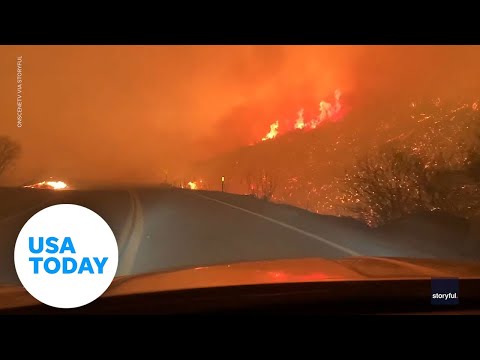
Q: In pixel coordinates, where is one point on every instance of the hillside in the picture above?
(302, 168)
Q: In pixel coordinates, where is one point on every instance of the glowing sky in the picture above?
(127, 113)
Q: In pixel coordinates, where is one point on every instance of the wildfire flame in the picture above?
(192, 185)
(273, 131)
(55, 185)
(300, 123)
(327, 112)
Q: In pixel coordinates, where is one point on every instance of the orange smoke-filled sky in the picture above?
(128, 113)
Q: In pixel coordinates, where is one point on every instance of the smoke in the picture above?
(130, 113)
(373, 79)
(400, 71)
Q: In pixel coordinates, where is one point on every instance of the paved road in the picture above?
(112, 205)
(159, 229)
(181, 228)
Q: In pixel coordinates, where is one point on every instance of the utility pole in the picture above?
(223, 182)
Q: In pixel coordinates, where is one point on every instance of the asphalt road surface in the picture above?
(19, 205)
(182, 228)
(163, 229)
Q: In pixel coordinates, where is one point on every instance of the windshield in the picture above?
(217, 155)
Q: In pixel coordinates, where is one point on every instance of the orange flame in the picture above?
(55, 185)
(327, 112)
(273, 131)
(192, 185)
(299, 123)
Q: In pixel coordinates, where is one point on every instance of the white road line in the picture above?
(300, 231)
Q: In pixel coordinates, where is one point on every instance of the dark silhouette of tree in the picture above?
(9, 152)
(268, 184)
(261, 184)
(251, 183)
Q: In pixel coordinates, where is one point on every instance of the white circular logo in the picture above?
(66, 256)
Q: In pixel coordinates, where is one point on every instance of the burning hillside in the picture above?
(302, 168)
(327, 112)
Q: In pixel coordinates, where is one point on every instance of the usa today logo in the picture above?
(66, 256)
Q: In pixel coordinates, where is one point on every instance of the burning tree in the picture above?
(386, 186)
(393, 183)
(9, 152)
(432, 166)
(261, 184)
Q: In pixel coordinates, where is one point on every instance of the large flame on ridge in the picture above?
(299, 123)
(327, 112)
(273, 131)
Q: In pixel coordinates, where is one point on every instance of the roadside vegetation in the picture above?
(392, 183)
